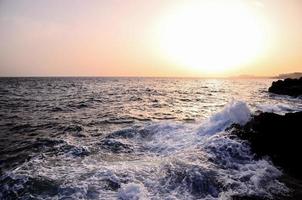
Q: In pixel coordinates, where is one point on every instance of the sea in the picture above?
(134, 138)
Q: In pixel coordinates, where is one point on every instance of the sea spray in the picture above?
(134, 139)
(234, 112)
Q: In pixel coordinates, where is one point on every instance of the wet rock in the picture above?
(291, 87)
(278, 137)
(275, 136)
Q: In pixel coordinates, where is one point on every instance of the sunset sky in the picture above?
(150, 37)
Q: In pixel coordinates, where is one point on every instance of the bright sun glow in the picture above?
(211, 37)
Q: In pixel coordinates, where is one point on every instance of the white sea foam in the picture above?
(234, 112)
(170, 161)
(277, 108)
(132, 191)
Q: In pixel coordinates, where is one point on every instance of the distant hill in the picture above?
(247, 76)
(289, 75)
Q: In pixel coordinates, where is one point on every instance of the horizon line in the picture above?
(134, 76)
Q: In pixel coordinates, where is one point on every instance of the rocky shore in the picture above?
(291, 87)
(277, 137)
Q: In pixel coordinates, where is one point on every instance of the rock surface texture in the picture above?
(279, 138)
(291, 87)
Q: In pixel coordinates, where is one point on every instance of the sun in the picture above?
(211, 36)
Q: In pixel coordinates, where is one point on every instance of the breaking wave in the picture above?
(158, 160)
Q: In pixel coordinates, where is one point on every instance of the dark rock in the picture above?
(291, 87)
(278, 137)
(275, 136)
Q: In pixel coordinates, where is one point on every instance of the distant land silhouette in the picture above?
(248, 76)
(289, 75)
(294, 75)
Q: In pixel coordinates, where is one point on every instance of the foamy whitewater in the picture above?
(133, 138)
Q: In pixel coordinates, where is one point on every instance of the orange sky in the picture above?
(122, 38)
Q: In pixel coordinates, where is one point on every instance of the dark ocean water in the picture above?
(133, 138)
